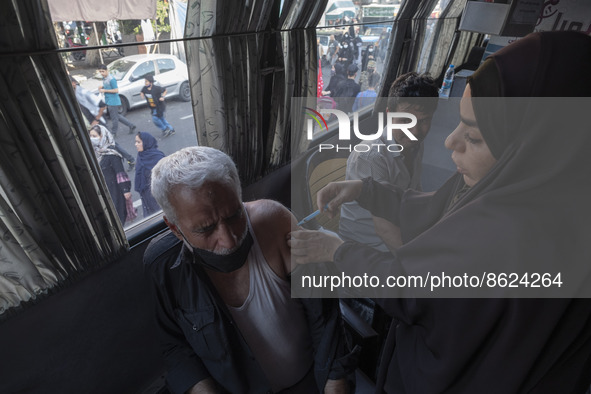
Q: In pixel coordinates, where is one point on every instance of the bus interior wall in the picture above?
(94, 336)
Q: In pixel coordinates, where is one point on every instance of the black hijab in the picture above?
(531, 211)
(538, 65)
(535, 200)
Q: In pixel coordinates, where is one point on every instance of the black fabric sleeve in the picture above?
(332, 358)
(381, 201)
(184, 367)
(354, 259)
(160, 105)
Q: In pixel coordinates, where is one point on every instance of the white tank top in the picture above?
(273, 324)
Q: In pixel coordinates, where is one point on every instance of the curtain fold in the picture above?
(227, 104)
(420, 33)
(457, 44)
(398, 45)
(232, 76)
(412, 48)
(54, 219)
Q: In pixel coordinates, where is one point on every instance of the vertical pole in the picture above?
(98, 40)
(156, 47)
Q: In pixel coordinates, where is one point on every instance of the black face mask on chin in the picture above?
(223, 263)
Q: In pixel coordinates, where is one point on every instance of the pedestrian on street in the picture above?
(347, 90)
(116, 179)
(111, 92)
(147, 157)
(93, 108)
(154, 95)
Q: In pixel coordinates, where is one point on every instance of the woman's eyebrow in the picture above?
(468, 122)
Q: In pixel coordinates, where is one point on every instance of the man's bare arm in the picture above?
(206, 386)
(272, 223)
(340, 386)
(103, 90)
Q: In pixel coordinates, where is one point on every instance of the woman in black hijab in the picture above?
(339, 75)
(520, 202)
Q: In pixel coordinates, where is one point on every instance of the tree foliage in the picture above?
(160, 24)
(162, 20)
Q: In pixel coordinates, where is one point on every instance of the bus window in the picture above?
(129, 65)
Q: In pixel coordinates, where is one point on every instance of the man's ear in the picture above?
(173, 228)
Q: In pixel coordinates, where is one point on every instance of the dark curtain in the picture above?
(419, 45)
(243, 83)
(54, 219)
(449, 45)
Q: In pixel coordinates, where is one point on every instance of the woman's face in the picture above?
(94, 134)
(139, 144)
(470, 152)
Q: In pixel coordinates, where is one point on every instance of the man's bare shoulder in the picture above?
(272, 222)
(268, 212)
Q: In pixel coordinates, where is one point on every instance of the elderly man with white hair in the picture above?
(226, 319)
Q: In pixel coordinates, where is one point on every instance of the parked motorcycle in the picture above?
(76, 35)
(77, 55)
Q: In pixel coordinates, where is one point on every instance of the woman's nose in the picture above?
(453, 141)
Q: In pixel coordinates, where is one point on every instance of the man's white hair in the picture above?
(192, 167)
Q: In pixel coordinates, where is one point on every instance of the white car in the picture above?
(168, 71)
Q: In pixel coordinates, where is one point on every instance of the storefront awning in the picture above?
(101, 10)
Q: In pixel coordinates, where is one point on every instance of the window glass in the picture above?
(165, 65)
(143, 70)
(119, 68)
(353, 35)
(178, 110)
(129, 65)
(430, 34)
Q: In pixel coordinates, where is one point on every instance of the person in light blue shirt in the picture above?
(369, 96)
(113, 101)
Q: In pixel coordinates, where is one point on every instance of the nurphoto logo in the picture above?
(393, 120)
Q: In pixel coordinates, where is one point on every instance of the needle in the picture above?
(311, 216)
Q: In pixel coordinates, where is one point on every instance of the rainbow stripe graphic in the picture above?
(315, 115)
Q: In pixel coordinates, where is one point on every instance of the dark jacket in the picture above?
(117, 182)
(199, 338)
(146, 160)
(346, 93)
